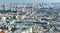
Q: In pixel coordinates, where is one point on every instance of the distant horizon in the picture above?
(28, 1)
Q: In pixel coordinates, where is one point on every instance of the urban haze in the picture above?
(29, 16)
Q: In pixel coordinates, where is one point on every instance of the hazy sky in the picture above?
(28, 1)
